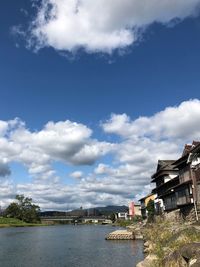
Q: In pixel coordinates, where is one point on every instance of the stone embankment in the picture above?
(171, 245)
(136, 229)
(120, 235)
(132, 232)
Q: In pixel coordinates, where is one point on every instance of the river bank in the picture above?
(169, 244)
(12, 222)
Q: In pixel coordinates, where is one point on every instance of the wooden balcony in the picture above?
(184, 200)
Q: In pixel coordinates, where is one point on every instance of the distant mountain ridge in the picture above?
(113, 208)
(97, 211)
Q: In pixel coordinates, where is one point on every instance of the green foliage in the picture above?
(23, 210)
(4, 222)
(137, 218)
(12, 211)
(166, 238)
(124, 223)
(112, 217)
(12, 222)
(151, 210)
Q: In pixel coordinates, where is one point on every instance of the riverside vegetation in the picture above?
(21, 213)
(170, 244)
(12, 222)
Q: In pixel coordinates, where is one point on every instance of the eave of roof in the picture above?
(181, 160)
(167, 166)
(195, 147)
(151, 194)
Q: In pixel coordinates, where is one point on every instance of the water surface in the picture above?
(66, 246)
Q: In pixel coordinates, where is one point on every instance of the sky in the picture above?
(92, 94)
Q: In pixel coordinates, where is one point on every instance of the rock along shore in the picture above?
(171, 245)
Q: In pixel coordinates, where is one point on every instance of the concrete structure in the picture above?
(121, 235)
(134, 210)
(95, 220)
(137, 209)
(131, 210)
(122, 215)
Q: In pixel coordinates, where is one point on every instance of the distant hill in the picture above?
(52, 213)
(97, 211)
(113, 208)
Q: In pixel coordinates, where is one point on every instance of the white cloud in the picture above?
(101, 25)
(102, 169)
(64, 141)
(116, 179)
(91, 152)
(147, 139)
(77, 174)
(174, 122)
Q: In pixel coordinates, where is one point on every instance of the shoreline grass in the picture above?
(12, 222)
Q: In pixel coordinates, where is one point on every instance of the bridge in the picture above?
(74, 219)
(59, 219)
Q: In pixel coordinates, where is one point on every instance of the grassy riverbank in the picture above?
(167, 242)
(12, 222)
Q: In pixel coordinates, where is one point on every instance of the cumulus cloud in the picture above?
(101, 25)
(174, 122)
(77, 174)
(117, 179)
(65, 141)
(147, 139)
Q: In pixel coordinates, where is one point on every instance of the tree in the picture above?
(151, 210)
(112, 217)
(23, 210)
(12, 211)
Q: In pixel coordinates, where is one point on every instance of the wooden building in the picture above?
(178, 183)
(165, 178)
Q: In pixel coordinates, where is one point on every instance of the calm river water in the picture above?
(66, 246)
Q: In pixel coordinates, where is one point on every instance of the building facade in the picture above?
(178, 183)
(144, 202)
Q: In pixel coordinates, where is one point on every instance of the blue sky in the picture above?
(85, 85)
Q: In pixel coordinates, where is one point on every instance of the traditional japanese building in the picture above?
(178, 183)
(188, 189)
(165, 177)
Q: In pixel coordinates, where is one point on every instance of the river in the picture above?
(66, 246)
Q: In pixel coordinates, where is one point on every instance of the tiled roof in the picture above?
(165, 165)
(188, 148)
